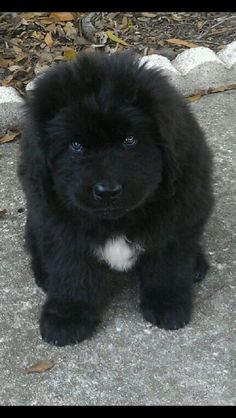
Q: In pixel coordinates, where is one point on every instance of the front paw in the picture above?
(167, 315)
(66, 323)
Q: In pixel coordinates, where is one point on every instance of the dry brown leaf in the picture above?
(13, 68)
(46, 21)
(181, 42)
(199, 93)
(176, 17)
(48, 39)
(51, 27)
(9, 136)
(21, 57)
(16, 49)
(124, 23)
(37, 35)
(40, 367)
(62, 16)
(30, 15)
(69, 29)
(4, 63)
(7, 80)
(24, 22)
(2, 212)
(38, 69)
(59, 58)
(221, 88)
(147, 14)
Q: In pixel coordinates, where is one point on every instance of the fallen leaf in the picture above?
(48, 40)
(40, 367)
(59, 58)
(52, 28)
(37, 35)
(13, 68)
(24, 22)
(9, 136)
(181, 42)
(62, 16)
(29, 15)
(115, 38)
(69, 29)
(194, 97)
(199, 93)
(46, 21)
(176, 17)
(130, 23)
(2, 212)
(70, 54)
(21, 57)
(221, 88)
(4, 63)
(20, 75)
(16, 49)
(38, 69)
(124, 22)
(147, 14)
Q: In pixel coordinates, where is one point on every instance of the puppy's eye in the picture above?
(129, 142)
(77, 147)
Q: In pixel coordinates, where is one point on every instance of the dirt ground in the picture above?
(30, 42)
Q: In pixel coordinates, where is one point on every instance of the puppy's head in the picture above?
(97, 129)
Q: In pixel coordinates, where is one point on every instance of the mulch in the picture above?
(30, 42)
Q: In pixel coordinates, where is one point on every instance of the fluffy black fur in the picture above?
(163, 173)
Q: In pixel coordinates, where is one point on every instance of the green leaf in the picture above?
(115, 38)
(70, 54)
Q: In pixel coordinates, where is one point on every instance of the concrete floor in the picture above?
(127, 362)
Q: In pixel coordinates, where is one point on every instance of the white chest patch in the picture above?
(119, 253)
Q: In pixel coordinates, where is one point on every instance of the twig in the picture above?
(216, 24)
(14, 43)
(12, 14)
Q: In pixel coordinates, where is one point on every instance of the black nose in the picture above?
(107, 191)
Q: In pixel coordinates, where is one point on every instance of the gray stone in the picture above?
(10, 108)
(228, 56)
(127, 362)
(193, 58)
(201, 69)
(30, 85)
(162, 63)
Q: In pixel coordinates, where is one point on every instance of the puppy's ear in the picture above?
(49, 94)
(32, 166)
(171, 167)
(172, 120)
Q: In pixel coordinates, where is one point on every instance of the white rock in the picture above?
(158, 61)
(228, 55)
(192, 58)
(11, 109)
(9, 95)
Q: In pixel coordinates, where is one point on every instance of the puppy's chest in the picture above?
(119, 253)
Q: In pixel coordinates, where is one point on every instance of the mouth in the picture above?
(110, 213)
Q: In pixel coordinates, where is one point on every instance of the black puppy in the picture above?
(117, 175)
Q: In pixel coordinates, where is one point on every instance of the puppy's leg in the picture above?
(201, 268)
(67, 321)
(166, 283)
(72, 309)
(40, 274)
